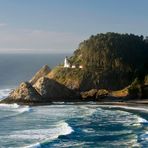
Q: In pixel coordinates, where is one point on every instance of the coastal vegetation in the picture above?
(110, 61)
(113, 66)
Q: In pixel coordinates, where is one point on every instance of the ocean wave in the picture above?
(24, 109)
(4, 93)
(69, 144)
(126, 143)
(58, 103)
(144, 109)
(86, 110)
(138, 119)
(15, 107)
(144, 136)
(9, 106)
(42, 135)
(142, 120)
(36, 145)
(13, 110)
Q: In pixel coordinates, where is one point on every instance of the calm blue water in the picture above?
(67, 126)
(15, 68)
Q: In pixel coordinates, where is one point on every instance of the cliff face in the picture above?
(41, 73)
(51, 90)
(110, 61)
(41, 90)
(24, 93)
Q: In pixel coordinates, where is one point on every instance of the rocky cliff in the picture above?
(109, 62)
(41, 90)
(25, 93)
(51, 90)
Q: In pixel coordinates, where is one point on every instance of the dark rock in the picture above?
(146, 80)
(102, 93)
(51, 90)
(145, 92)
(94, 94)
(91, 94)
(41, 73)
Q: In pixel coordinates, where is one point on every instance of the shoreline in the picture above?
(135, 103)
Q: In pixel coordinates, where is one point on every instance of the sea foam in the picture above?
(15, 110)
(144, 109)
(4, 93)
(144, 136)
(10, 106)
(15, 107)
(142, 120)
(36, 145)
(23, 109)
(86, 110)
(43, 135)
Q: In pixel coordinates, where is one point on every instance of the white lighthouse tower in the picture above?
(66, 63)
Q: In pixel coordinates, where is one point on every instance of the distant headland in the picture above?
(110, 67)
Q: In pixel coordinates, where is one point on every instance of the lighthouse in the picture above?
(66, 63)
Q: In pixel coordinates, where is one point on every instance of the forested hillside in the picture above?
(110, 61)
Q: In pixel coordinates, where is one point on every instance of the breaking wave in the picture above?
(142, 120)
(43, 135)
(86, 110)
(126, 107)
(4, 93)
(15, 107)
(9, 106)
(14, 110)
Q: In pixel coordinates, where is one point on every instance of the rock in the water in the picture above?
(94, 94)
(51, 90)
(91, 94)
(101, 93)
(25, 93)
(41, 73)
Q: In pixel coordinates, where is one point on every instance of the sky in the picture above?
(58, 26)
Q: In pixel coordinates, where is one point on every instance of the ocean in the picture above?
(86, 125)
(15, 68)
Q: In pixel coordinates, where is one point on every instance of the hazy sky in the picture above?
(58, 26)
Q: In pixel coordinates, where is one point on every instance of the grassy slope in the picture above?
(67, 76)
